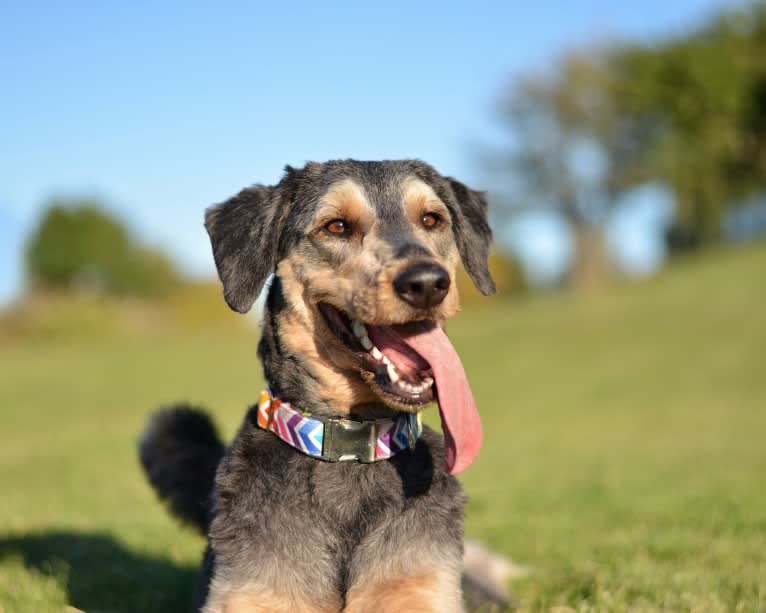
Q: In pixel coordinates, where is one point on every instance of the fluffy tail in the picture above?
(180, 450)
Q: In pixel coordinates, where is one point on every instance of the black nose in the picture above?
(423, 285)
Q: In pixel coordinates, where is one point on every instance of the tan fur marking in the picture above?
(419, 198)
(326, 357)
(346, 200)
(263, 602)
(433, 592)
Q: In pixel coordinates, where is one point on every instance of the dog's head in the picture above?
(365, 255)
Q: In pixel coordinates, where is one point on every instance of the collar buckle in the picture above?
(345, 439)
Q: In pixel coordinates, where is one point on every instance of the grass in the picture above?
(624, 463)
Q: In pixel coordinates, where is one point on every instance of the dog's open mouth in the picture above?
(412, 364)
(398, 370)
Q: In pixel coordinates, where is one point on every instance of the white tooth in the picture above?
(376, 353)
(423, 385)
(358, 328)
(366, 342)
(392, 374)
(385, 359)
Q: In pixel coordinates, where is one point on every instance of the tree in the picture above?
(699, 105)
(559, 124)
(77, 246)
(689, 112)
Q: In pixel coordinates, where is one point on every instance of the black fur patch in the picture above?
(180, 451)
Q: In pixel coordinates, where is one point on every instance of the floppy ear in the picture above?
(244, 234)
(472, 233)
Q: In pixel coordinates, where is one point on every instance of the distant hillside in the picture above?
(54, 314)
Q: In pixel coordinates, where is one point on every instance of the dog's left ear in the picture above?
(472, 233)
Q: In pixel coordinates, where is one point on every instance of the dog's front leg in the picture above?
(251, 581)
(275, 586)
(263, 601)
(435, 591)
(423, 576)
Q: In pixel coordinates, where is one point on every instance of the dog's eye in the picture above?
(338, 227)
(430, 221)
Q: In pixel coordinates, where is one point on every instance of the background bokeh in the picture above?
(619, 371)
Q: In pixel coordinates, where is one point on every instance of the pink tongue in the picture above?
(460, 418)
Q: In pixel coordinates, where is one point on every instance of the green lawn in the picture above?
(624, 462)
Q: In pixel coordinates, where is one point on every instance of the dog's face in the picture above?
(365, 255)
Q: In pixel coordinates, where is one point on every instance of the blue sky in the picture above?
(165, 108)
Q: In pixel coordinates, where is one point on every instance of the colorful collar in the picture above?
(338, 440)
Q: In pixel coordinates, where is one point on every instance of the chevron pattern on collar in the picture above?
(338, 440)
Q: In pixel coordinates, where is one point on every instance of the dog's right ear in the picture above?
(244, 232)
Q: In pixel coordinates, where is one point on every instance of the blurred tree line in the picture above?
(688, 112)
(79, 246)
(82, 262)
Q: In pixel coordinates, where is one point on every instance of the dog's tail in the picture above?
(180, 450)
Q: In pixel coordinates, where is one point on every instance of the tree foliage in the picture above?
(695, 108)
(78, 246)
(689, 111)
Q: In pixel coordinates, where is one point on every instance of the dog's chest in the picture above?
(355, 496)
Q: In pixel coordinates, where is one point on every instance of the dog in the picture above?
(332, 496)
